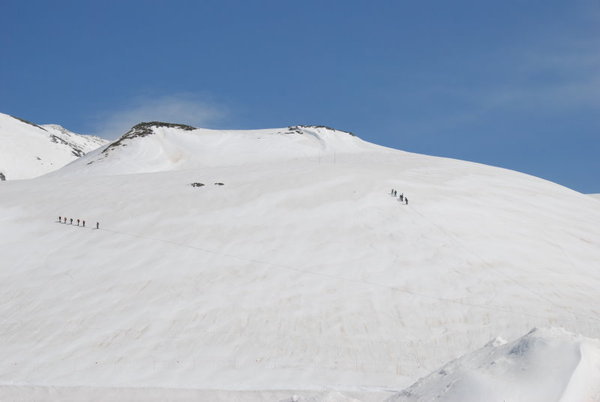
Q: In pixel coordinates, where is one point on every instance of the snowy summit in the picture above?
(29, 150)
(157, 146)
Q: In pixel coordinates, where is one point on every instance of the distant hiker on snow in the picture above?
(62, 219)
(406, 200)
(97, 225)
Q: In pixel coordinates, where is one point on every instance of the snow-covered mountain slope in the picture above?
(596, 196)
(80, 144)
(158, 147)
(300, 272)
(29, 150)
(544, 365)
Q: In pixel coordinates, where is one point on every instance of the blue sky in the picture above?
(508, 83)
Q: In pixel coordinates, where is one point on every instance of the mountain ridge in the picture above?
(160, 146)
(30, 150)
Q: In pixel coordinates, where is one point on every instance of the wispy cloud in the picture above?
(553, 79)
(180, 108)
(550, 81)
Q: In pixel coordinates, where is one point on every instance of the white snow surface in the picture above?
(28, 150)
(84, 142)
(300, 273)
(544, 365)
(168, 149)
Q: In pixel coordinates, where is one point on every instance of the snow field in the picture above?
(544, 365)
(300, 273)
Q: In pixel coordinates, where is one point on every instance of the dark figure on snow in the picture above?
(83, 223)
(401, 197)
(59, 219)
(406, 200)
(77, 222)
(65, 221)
(71, 221)
(97, 225)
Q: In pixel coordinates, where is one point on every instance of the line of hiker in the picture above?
(62, 219)
(401, 197)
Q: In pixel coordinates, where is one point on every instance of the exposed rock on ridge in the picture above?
(142, 130)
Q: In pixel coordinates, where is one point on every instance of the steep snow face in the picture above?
(544, 365)
(29, 150)
(300, 272)
(81, 144)
(159, 147)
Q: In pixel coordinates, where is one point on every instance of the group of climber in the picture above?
(401, 197)
(62, 219)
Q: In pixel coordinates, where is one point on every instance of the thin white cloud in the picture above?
(182, 109)
(552, 80)
(551, 97)
(567, 76)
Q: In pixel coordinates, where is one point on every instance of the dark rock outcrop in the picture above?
(28, 122)
(298, 129)
(144, 130)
